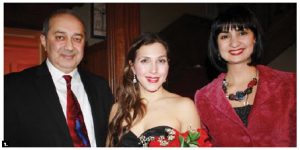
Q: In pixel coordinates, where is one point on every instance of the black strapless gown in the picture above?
(160, 136)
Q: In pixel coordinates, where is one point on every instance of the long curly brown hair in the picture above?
(130, 106)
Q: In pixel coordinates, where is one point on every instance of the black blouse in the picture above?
(243, 113)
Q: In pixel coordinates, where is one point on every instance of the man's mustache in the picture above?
(69, 52)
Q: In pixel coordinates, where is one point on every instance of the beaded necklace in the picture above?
(240, 95)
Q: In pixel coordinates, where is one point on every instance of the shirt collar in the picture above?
(57, 74)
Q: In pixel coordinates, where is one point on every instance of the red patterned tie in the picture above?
(75, 119)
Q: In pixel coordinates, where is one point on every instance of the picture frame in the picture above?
(98, 12)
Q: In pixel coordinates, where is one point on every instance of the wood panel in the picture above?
(95, 59)
(21, 49)
(123, 25)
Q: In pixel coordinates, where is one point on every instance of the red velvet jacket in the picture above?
(272, 119)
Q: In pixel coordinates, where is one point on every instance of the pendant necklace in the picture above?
(240, 95)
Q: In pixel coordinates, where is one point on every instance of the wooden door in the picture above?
(22, 49)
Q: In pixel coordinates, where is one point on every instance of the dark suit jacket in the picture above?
(272, 119)
(33, 115)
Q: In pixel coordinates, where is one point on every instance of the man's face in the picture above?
(64, 42)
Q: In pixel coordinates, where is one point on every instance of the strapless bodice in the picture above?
(159, 136)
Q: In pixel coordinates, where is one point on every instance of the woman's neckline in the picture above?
(143, 133)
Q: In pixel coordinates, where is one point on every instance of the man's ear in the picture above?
(43, 41)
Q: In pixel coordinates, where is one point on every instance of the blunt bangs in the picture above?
(238, 25)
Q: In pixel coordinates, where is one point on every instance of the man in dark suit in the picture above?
(36, 103)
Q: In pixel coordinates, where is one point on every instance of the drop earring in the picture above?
(134, 79)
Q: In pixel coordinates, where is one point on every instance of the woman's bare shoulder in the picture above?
(180, 100)
(186, 112)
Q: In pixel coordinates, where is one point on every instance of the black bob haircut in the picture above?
(238, 18)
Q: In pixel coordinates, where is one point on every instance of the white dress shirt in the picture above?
(79, 91)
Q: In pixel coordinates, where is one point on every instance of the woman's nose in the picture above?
(153, 67)
(234, 41)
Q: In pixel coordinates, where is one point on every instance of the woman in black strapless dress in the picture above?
(145, 113)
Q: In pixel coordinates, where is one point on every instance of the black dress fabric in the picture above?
(131, 140)
(243, 113)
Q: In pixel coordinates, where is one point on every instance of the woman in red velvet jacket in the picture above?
(248, 104)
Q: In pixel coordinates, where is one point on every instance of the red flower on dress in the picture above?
(190, 138)
(194, 138)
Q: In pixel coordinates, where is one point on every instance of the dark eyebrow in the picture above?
(144, 57)
(163, 56)
(61, 32)
(224, 31)
(78, 34)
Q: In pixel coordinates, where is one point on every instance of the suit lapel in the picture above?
(95, 103)
(265, 80)
(46, 88)
(221, 104)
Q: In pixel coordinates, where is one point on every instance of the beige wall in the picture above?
(286, 61)
(156, 16)
(85, 12)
